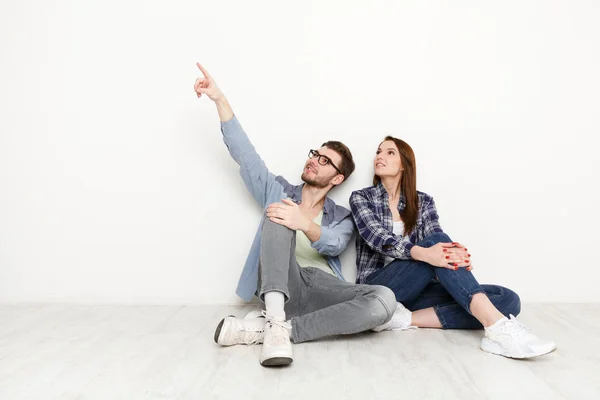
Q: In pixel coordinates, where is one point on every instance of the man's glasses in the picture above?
(323, 160)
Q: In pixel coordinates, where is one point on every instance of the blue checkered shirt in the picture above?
(373, 218)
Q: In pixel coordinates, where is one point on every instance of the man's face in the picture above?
(318, 175)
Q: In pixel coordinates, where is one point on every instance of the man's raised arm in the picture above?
(258, 179)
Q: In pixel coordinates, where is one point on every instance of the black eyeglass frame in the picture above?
(313, 153)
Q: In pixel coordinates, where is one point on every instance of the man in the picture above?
(293, 265)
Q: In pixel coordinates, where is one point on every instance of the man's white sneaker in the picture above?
(510, 338)
(400, 320)
(254, 314)
(277, 348)
(232, 330)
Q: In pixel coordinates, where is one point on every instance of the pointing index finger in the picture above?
(203, 70)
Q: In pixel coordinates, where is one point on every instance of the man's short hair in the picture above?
(347, 166)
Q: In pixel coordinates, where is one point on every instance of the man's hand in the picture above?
(444, 255)
(207, 85)
(287, 213)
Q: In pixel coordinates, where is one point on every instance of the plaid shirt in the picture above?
(373, 217)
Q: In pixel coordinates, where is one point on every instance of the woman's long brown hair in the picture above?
(408, 183)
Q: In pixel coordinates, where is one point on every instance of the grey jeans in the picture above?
(318, 303)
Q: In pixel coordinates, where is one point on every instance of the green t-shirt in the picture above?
(306, 255)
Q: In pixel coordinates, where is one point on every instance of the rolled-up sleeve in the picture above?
(335, 238)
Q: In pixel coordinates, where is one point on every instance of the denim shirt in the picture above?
(336, 226)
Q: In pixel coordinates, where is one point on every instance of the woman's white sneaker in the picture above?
(400, 320)
(510, 338)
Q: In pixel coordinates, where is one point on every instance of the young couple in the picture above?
(410, 273)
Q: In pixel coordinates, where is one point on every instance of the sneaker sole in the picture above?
(219, 327)
(491, 347)
(276, 361)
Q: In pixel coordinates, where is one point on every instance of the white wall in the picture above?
(115, 185)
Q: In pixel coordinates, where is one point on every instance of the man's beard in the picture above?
(313, 182)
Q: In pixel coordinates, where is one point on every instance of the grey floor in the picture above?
(167, 352)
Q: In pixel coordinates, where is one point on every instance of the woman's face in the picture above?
(387, 160)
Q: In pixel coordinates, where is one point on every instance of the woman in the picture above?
(402, 246)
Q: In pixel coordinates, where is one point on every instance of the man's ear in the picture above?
(338, 179)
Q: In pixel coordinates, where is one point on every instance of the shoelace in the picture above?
(253, 326)
(254, 333)
(254, 341)
(253, 329)
(284, 325)
(515, 328)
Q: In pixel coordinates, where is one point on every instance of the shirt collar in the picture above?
(297, 198)
(383, 194)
